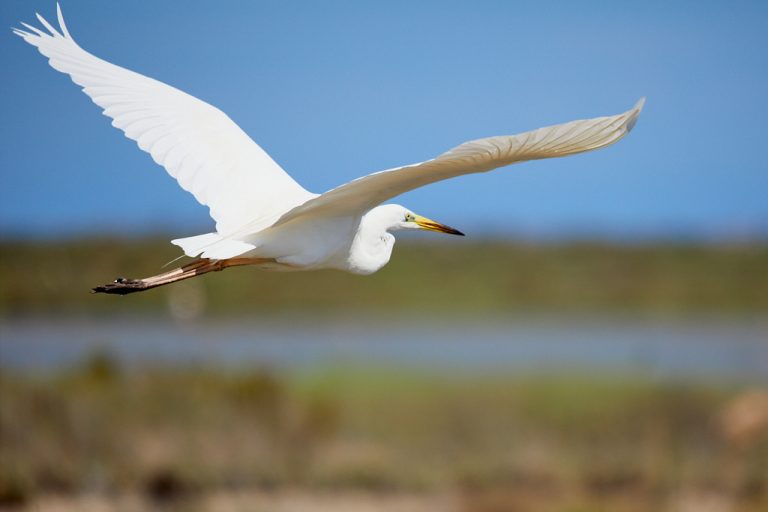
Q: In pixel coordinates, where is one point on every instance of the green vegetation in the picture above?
(457, 278)
(557, 443)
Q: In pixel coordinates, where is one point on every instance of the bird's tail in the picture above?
(212, 246)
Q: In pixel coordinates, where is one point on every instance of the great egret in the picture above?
(263, 217)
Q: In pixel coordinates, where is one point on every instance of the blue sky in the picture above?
(335, 90)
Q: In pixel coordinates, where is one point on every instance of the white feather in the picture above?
(475, 156)
(207, 153)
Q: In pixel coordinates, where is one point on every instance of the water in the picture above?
(725, 348)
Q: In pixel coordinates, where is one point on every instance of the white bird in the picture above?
(263, 217)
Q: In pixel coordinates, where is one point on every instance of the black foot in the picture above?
(121, 286)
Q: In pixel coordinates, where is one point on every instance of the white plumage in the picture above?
(202, 148)
(261, 212)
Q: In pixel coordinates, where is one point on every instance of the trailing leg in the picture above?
(122, 286)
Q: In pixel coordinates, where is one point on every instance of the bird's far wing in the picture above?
(202, 148)
(480, 155)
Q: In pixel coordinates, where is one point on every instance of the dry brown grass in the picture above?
(101, 437)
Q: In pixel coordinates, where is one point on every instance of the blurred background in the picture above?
(598, 341)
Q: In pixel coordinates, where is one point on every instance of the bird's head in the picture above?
(393, 217)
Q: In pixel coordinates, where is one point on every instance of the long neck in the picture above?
(371, 247)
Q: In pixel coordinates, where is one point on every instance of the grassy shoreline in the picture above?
(457, 279)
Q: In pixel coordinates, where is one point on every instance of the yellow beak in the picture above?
(430, 225)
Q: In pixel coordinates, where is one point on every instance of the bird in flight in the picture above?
(263, 216)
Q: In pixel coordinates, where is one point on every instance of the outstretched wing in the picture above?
(202, 148)
(475, 156)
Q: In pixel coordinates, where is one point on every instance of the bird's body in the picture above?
(332, 242)
(263, 216)
(359, 244)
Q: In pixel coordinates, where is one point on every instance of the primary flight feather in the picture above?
(263, 216)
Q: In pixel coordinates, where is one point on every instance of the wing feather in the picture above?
(481, 155)
(202, 148)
